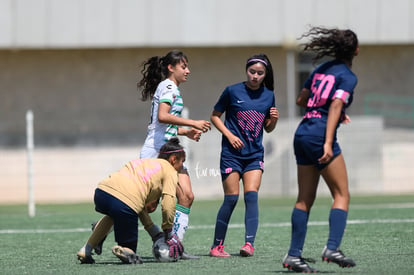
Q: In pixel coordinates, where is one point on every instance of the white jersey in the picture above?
(159, 133)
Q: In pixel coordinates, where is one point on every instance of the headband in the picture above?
(174, 151)
(257, 60)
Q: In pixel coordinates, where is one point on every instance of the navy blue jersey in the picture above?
(329, 81)
(246, 111)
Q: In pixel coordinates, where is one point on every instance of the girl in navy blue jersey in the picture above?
(326, 94)
(250, 108)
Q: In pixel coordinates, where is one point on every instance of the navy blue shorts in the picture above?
(125, 219)
(308, 149)
(232, 164)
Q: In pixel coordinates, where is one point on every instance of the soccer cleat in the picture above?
(298, 264)
(126, 255)
(83, 258)
(187, 256)
(247, 250)
(98, 247)
(336, 256)
(218, 251)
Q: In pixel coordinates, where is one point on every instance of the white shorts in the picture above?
(148, 152)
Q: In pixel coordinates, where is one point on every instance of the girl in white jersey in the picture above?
(161, 78)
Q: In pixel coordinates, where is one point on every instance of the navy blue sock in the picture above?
(251, 218)
(223, 218)
(299, 228)
(337, 224)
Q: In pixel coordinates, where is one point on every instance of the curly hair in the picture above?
(340, 44)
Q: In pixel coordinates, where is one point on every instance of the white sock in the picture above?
(181, 221)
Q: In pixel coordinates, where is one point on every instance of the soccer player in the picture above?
(161, 79)
(250, 108)
(135, 189)
(326, 94)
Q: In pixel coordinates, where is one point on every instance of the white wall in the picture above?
(145, 23)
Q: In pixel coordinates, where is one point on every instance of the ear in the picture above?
(172, 159)
(170, 68)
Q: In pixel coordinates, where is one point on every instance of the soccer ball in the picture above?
(161, 251)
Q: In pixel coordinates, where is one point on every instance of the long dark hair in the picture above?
(171, 147)
(268, 81)
(155, 70)
(340, 44)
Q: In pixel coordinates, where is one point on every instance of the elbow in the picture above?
(163, 119)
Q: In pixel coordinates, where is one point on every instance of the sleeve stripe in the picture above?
(342, 95)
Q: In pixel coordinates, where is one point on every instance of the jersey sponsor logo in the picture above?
(313, 113)
(169, 86)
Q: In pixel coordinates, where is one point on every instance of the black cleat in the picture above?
(336, 256)
(298, 264)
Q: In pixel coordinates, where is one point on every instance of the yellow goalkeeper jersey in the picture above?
(144, 180)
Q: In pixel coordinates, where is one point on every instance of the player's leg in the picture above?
(308, 178)
(100, 231)
(231, 196)
(251, 184)
(335, 175)
(185, 198)
(125, 231)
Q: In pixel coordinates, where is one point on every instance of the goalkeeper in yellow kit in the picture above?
(132, 192)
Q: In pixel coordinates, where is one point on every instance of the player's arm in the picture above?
(219, 124)
(271, 122)
(168, 211)
(165, 117)
(191, 133)
(302, 99)
(334, 115)
(153, 230)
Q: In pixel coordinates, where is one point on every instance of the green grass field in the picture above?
(379, 236)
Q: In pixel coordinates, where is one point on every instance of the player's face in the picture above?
(179, 72)
(177, 163)
(255, 75)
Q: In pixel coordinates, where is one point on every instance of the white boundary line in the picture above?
(266, 225)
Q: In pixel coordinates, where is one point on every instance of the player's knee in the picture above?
(186, 199)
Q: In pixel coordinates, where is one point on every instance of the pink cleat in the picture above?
(218, 251)
(247, 250)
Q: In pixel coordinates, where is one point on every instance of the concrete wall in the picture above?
(187, 23)
(89, 97)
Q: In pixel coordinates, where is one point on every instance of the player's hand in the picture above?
(236, 142)
(176, 247)
(156, 233)
(202, 125)
(327, 153)
(346, 119)
(194, 134)
(274, 114)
